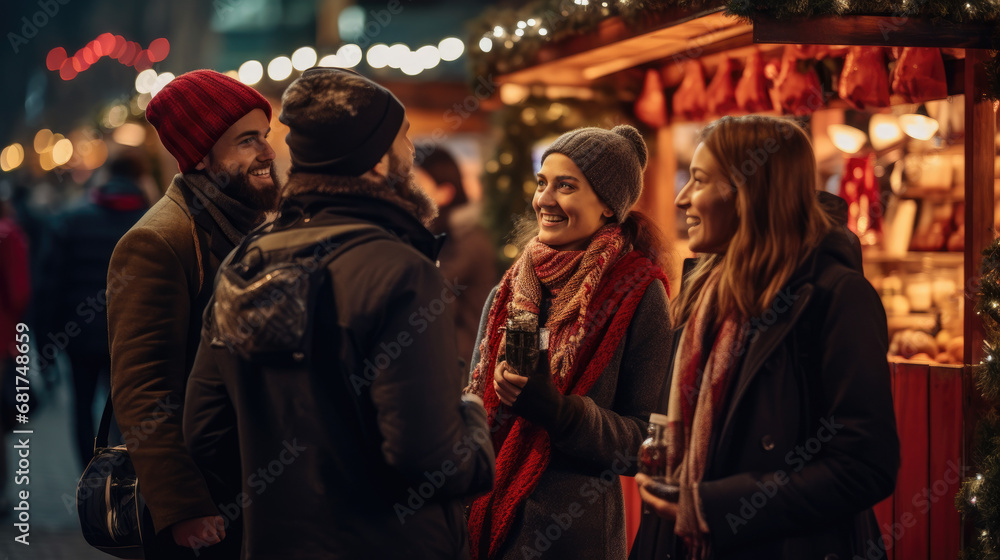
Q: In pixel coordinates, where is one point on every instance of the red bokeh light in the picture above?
(143, 61)
(119, 47)
(159, 49)
(107, 42)
(67, 71)
(131, 50)
(54, 60)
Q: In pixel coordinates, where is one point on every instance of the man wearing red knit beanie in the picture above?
(159, 281)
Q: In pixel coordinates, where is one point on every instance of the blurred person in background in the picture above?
(216, 127)
(15, 294)
(76, 281)
(468, 258)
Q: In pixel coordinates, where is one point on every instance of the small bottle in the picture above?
(653, 451)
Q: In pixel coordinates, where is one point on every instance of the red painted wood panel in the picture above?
(910, 532)
(945, 424)
(884, 512)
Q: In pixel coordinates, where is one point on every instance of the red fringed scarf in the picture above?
(588, 287)
(697, 388)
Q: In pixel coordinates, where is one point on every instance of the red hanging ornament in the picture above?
(751, 91)
(651, 106)
(864, 83)
(859, 188)
(919, 75)
(722, 91)
(689, 99)
(799, 91)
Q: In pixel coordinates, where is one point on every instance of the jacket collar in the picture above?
(327, 209)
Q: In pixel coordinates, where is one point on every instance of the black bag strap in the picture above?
(101, 441)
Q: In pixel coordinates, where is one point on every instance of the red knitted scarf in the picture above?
(595, 295)
(697, 388)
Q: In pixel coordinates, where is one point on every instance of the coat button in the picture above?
(767, 442)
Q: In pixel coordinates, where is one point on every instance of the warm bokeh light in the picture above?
(304, 58)
(145, 80)
(43, 140)
(94, 152)
(847, 138)
(161, 81)
(62, 151)
(11, 157)
(116, 116)
(329, 61)
(130, 134)
(46, 162)
(486, 44)
(919, 127)
(378, 56)
(279, 68)
(884, 131)
(451, 48)
(251, 72)
(428, 56)
(398, 54)
(411, 64)
(350, 55)
(143, 100)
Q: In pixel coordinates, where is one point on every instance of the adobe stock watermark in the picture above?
(87, 311)
(392, 348)
(418, 496)
(922, 501)
(796, 459)
(259, 481)
(591, 492)
(47, 9)
(133, 438)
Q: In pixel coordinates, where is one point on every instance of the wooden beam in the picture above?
(880, 31)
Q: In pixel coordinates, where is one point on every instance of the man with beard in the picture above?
(159, 281)
(332, 337)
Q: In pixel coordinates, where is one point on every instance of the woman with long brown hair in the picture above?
(781, 434)
(590, 279)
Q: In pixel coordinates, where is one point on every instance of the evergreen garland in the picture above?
(979, 497)
(563, 19)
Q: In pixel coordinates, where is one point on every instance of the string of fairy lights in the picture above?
(85, 151)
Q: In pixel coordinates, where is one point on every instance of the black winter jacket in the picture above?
(806, 443)
(369, 450)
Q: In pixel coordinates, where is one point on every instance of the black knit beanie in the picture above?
(611, 160)
(340, 123)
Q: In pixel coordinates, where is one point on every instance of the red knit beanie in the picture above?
(194, 110)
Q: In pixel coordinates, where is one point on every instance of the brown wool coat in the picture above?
(154, 326)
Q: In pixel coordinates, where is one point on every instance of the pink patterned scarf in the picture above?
(697, 390)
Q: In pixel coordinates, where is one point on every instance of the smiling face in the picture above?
(709, 203)
(566, 207)
(242, 162)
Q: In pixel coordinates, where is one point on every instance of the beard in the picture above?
(235, 182)
(403, 181)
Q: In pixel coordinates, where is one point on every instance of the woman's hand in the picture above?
(199, 532)
(507, 384)
(663, 508)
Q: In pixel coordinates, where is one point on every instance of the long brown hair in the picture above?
(771, 164)
(639, 231)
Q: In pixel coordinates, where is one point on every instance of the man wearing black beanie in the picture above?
(330, 343)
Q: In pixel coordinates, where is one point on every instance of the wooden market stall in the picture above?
(936, 404)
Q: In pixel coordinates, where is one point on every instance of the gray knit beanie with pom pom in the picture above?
(611, 160)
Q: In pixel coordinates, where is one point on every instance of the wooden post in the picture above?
(980, 150)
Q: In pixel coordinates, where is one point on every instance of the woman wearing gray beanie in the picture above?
(589, 281)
